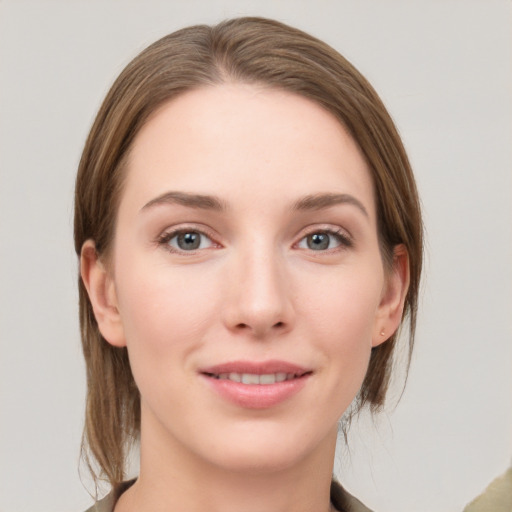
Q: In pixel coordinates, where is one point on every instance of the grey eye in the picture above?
(318, 241)
(323, 240)
(189, 241)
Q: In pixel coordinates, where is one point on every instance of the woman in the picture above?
(250, 241)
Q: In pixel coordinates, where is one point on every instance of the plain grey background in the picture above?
(444, 69)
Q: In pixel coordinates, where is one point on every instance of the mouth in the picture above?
(264, 379)
(256, 385)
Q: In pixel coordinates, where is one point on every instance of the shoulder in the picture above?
(341, 499)
(497, 497)
(108, 502)
(104, 505)
(345, 502)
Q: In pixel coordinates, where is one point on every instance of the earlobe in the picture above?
(102, 294)
(393, 297)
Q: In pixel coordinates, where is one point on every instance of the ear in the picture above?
(391, 307)
(102, 294)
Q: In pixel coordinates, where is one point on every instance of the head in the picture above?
(247, 51)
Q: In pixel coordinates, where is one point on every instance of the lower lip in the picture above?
(257, 396)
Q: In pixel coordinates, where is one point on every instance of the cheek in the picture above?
(162, 309)
(344, 334)
(165, 316)
(341, 316)
(344, 303)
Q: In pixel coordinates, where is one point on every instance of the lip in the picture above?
(256, 396)
(256, 367)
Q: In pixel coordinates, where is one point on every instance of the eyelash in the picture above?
(344, 240)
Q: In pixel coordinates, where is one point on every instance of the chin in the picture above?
(270, 451)
(258, 461)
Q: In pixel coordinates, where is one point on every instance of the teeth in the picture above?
(252, 378)
(268, 379)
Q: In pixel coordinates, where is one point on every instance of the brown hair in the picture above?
(248, 50)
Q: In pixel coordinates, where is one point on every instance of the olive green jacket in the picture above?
(341, 499)
(496, 498)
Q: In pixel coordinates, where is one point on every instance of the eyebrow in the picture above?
(207, 202)
(321, 201)
(201, 201)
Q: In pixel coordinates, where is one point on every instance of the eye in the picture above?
(324, 240)
(186, 240)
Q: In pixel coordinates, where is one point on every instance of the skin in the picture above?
(253, 290)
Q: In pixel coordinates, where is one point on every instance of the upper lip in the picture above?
(255, 367)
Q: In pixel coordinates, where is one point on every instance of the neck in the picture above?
(172, 478)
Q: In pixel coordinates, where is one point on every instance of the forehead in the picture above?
(231, 137)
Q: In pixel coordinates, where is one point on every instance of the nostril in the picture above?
(279, 324)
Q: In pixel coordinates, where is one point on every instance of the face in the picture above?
(245, 278)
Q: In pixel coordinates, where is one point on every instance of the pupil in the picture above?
(318, 241)
(189, 241)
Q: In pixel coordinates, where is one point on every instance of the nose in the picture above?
(260, 297)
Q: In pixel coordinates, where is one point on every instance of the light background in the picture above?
(444, 69)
